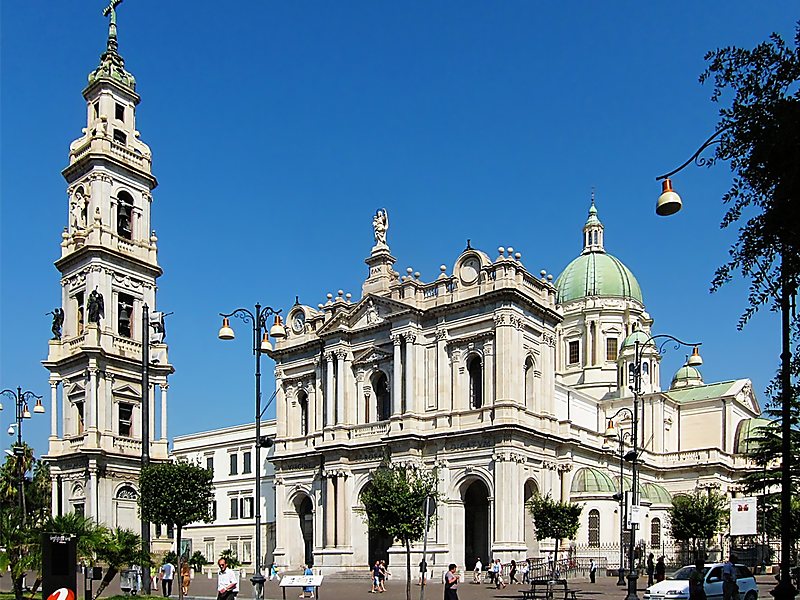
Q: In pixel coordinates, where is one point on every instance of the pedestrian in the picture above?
(376, 578)
(167, 573)
(273, 572)
(186, 578)
(227, 581)
(478, 573)
(451, 583)
(592, 570)
(697, 590)
(661, 569)
(730, 588)
(308, 591)
(651, 568)
(498, 574)
(550, 564)
(423, 569)
(512, 573)
(384, 575)
(526, 571)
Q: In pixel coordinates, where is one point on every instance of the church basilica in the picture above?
(509, 384)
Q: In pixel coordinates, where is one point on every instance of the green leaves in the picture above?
(394, 500)
(697, 517)
(179, 493)
(554, 520)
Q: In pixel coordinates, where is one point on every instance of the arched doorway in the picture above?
(306, 516)
(476, 524)
(531, 543)
(378, 543)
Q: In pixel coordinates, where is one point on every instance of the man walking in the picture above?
(730, 589)
(651, 569)
(227, 581)
(592, 570)
(478, 574)
(167, 572)
(451, 583)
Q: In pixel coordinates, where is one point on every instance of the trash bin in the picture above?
(129, 582)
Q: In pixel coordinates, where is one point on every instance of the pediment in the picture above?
(371, 311)
(127, 391)
(747, 396)
(371, 355)
(76, 389)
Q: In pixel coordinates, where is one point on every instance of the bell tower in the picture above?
(108, 269)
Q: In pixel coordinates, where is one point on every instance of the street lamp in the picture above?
(632, 455)
(615, 434)
(670, 204)
(261, 345)
(22, 412)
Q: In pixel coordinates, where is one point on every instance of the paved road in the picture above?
(203, 588)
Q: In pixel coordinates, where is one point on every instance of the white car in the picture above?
(676, 586)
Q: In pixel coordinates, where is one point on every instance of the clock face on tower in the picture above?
(469, 270)
(298, 321)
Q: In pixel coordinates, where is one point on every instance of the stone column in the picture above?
(329, 391)
(504, 331)
(54, 497)
(53, 409)
(489, 374)
(317, 387)
(340, 377)
(91, 494)
(343, 511)
(397, 375)
(91, 408)
(412, 405)
(281, 417)
(360, 402)
(443, 391)
(330, 510)
(164, 387)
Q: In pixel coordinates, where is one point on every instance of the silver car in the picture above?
(676, 586)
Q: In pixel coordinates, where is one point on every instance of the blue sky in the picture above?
(277, 129)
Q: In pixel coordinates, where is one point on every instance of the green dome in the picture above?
(626, 487)
(686, 376)
(592, 481)
(637, 336)
(657, 494)
(748, 433)
(597, 274)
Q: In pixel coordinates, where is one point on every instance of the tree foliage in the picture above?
(119, 548)
(554, 520)
(394, 503)
(696, 518)
(178, 493)
(20, 526)
(761, 140)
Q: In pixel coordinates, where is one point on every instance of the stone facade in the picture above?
(109, 267)
(488, 376)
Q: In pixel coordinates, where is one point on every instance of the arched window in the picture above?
(302, 400)
(475, 370)
(655, 533)
(383, 399)
(126, 492)
(646, 372)
(124, 215)
(529, 382)
(594, 528)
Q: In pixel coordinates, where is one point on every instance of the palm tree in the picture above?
(121, 547)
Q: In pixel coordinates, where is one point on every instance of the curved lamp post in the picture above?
(615, 434)
(632, 455)
(22, 412)
(669, 202)
(261, 345)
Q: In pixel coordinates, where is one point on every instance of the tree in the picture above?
(178, 493)
(231, 558)
(554, 520)
(759, 134)
(395, 505)
(119, 548)
(20, 526)
(696, 518)
(197, 560)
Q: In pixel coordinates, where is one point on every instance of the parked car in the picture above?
(677, 585)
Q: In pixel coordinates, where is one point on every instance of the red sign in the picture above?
(62, 594)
